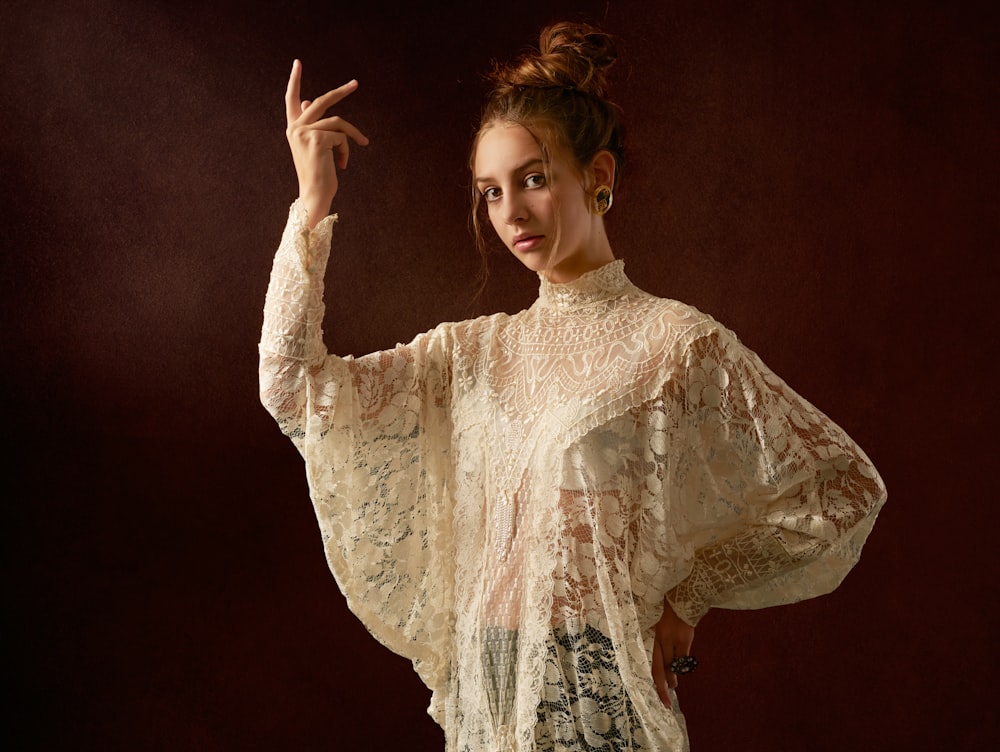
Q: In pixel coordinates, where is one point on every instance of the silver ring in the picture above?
(683, 664)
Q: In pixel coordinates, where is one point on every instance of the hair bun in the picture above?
(570, 55)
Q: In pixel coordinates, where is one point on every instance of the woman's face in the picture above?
(545, 221)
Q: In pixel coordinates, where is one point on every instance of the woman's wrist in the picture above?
(316, 208)
(687, 603)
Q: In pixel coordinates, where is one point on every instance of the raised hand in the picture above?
(320, 145)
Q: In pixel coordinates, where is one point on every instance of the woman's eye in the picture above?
(536, 180)
(491, 194)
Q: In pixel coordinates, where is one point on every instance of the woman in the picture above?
(537, 509)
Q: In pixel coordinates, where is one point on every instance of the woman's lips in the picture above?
(527, 242)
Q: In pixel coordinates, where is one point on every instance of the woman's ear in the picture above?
(602, 170)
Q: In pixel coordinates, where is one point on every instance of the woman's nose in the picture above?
(515, 209)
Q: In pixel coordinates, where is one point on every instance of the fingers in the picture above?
(683, 641)
(322, 103)
(341, 150)
(312, 110)
(681, 647)
(672, 639)
(338, 124)
(660, 680)
(305, 115)
(331, 134)
(292, 105)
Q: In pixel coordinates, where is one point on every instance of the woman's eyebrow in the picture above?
(520, 168)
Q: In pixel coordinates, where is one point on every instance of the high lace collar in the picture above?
(604, 283)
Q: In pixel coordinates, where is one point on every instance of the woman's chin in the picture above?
(536, 262)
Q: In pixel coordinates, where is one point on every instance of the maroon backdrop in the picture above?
(820, 176)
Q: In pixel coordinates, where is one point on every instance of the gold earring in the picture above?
(603, 198)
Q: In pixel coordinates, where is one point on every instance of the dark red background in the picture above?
(820, 176)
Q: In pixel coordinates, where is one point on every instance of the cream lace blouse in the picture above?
(506, 501)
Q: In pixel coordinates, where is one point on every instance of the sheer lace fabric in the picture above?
(506, 501)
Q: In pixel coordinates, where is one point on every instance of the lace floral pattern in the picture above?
(592, 711)
(554, 475)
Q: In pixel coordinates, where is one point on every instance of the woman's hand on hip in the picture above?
(672, 639)
(320, 145)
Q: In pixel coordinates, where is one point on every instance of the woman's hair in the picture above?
(559, 94)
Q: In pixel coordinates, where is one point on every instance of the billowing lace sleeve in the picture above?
(777, 500)
(375, 435)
